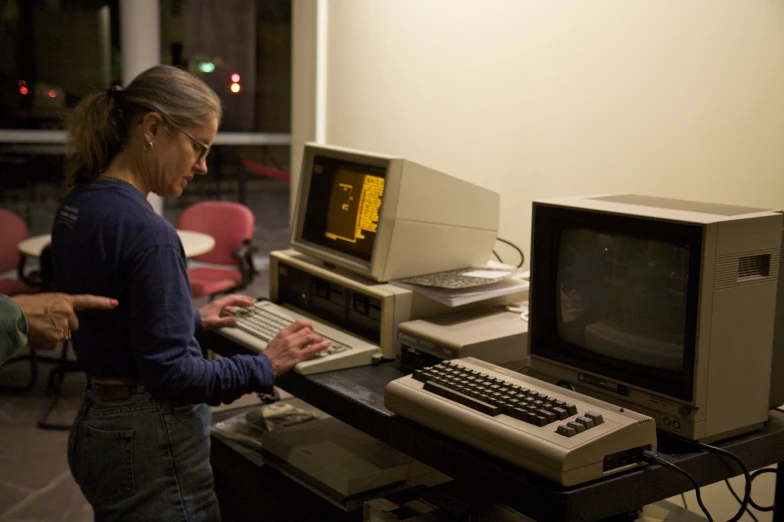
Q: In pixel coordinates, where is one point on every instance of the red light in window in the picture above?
(52, 93)
(235, 78)
(23, 90)
(22, 83)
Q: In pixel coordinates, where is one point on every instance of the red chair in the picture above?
(12, 231)
(231, 224)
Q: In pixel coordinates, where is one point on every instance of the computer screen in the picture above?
(386, 217)
(664, 306)
(624, 298)
(344, 204)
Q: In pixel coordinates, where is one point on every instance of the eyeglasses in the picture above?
(204, 148)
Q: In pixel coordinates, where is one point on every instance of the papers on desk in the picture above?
(466, 285)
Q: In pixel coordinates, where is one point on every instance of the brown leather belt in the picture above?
(114, 389)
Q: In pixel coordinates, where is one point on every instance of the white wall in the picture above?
(537, 99)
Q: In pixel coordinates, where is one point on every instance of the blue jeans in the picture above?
(142, 459)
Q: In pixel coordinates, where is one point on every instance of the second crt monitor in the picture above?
(386, 217)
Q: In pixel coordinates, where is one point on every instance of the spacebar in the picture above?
(462, 398)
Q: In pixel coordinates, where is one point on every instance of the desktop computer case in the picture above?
(397, 304)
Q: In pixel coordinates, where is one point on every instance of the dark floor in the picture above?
(35, 484)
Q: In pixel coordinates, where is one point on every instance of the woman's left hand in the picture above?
(212, 314)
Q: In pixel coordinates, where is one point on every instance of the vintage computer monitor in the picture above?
(659, 305)
(385, 217)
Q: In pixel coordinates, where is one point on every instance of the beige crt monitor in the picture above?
(660, 305)
(385, 217)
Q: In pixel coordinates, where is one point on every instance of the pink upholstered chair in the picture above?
(12, 231)
(231, 224)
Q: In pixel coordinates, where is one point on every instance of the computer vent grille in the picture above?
(749, 268)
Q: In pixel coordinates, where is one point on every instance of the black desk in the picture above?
(356, 396)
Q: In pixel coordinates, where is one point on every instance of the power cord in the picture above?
(729, 486)
(653, 458)
(744, 504)
(751, 500)
(520, 252)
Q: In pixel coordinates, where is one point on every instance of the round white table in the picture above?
(194, 243)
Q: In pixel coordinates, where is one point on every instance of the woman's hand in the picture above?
(212, 314)
(293, 344)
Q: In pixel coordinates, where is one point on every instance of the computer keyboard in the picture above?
(259, 323)
(560, 434)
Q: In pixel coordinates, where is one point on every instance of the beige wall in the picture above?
(537, 99)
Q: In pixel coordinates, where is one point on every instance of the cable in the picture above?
(652, 457)
(497, 257)
(729, 486)
(744, 505)
(751, 501)
(566, 384)
(520, 252)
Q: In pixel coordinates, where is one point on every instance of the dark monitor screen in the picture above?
(623, 297)
(342, 209)
(620, 299)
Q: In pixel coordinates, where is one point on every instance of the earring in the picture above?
(148, 147)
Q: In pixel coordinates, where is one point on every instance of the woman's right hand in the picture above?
(293, 344)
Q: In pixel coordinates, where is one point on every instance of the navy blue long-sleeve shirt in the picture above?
(108, 241)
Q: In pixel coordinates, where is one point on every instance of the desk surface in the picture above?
(194, 243)
(356, 396)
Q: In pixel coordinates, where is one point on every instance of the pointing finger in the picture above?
(92, 302)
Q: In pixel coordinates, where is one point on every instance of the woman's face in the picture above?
(182, 153)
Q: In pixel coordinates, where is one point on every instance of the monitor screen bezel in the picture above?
(374, 267)
(549, 222)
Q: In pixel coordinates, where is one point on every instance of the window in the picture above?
(54, 53)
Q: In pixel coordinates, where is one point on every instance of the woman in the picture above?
(139, 447)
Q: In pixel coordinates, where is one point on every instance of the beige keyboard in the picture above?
(560, 434)
(258, 324)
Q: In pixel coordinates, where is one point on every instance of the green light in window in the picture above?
(207, 67)
(304, 296)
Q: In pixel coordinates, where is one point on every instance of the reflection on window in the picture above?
(242, 49)
(53, 54)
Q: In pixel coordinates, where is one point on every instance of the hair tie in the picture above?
(114, 92)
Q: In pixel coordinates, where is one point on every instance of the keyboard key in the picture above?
(596, 417)
(463, 399)
(585, 421)
(565, 430)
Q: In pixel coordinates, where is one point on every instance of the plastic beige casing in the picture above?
(429, 221)
(397, 304)
(567, 460)
(735, 315)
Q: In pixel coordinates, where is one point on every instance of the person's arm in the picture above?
(169, 359)
(13, 328)
(196, 321)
